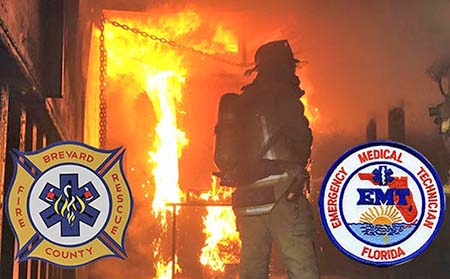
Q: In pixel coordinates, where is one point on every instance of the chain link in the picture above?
(102, 85)
(174, 44)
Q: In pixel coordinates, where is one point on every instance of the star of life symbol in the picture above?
(69, 204)
(383, 175)
(382, 203)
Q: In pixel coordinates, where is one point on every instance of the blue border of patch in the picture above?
(408, 149)
(23, 256)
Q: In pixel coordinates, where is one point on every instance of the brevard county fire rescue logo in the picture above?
(69, 204)
(382, 203)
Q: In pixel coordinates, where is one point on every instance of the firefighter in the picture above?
(263, 145)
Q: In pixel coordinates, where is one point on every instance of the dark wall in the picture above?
(32, 29)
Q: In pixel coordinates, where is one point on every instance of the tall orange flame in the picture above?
(165, 90)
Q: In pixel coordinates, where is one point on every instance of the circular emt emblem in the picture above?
(69, 204)
(382, 203)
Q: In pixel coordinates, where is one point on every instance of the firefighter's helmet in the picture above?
(274, 53)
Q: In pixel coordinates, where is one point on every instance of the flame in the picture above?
(164, 269)
(225, 40)
(222, 244)
(311, 113)
(165, 92)
(139, 65)
(69, 207)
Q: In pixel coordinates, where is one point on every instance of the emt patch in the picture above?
(69, 204)
(382, 203)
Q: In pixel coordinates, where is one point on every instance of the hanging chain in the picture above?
(102, 85)
(174, 44)
(103, 64)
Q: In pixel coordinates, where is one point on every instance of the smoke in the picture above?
(364, 57)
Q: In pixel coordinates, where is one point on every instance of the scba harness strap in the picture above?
(261, 196)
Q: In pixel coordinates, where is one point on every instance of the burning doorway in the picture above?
(152, 87)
